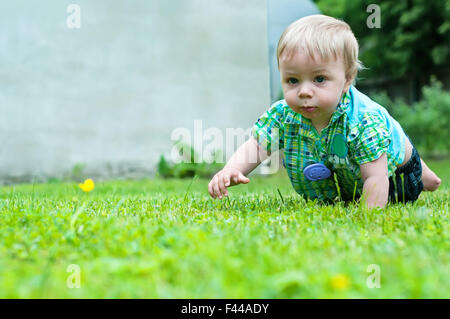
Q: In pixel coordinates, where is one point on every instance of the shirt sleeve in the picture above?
(373, 140)
(268, 129)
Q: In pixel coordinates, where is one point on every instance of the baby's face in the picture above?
(313, 88)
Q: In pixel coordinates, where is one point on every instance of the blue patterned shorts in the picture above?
(408, 181)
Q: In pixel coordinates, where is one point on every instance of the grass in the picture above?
(168, 239)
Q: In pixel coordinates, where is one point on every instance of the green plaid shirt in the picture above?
(360, 131)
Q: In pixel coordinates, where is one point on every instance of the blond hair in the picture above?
(323, 35)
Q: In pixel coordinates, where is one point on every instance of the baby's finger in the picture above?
(226, 179)
(243, 179)
(215, 187)
(225, 185)
(222, 187)
(210, 189)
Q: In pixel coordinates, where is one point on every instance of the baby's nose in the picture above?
(304, 91)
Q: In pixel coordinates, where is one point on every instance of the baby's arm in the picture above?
(247, 157)
(376, 182)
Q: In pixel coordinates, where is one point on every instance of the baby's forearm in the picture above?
(247, 157)
(376, 191)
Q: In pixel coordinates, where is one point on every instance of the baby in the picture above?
(337, 142)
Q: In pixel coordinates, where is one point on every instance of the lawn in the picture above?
(168, 239)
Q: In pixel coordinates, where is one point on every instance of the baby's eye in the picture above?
(320, 79)
(292, 81)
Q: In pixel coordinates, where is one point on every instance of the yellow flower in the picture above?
(88, 185)
(340, 282)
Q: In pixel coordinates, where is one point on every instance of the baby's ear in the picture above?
(347, 84)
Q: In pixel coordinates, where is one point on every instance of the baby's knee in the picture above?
(431, 183)
(436, 181)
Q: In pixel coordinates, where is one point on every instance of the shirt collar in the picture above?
(342, 107)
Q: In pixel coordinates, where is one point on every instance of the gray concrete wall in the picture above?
(108, 95)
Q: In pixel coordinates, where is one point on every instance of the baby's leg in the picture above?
(429, 179)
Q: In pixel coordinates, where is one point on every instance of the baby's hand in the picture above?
(217, 187)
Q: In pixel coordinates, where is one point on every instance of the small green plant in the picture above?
(77, 171)
(188, 168)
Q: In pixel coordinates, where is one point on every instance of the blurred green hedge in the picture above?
(426, 121)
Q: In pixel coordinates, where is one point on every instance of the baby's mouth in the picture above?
(308, 108)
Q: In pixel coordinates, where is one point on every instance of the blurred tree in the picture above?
(412, 43)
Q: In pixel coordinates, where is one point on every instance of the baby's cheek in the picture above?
(330, 101)
(290, 98)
